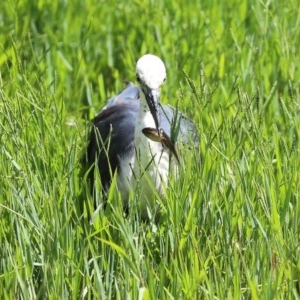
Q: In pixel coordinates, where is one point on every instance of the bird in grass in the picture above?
(134, 135)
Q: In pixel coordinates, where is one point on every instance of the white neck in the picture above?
(145, 148)
(145, 118)
(150, 156)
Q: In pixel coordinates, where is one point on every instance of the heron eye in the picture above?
(165, 79)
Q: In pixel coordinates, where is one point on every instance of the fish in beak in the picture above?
(161, 137)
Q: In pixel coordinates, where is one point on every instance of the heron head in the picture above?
(151, 74)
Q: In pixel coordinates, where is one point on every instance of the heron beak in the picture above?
(153, 99)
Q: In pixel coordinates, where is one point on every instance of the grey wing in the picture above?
(130, 93)
(179, 127)
(112, 134)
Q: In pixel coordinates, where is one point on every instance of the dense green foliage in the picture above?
(230, 227)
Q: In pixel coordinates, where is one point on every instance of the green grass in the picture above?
(230, 226)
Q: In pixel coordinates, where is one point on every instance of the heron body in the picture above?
(132, 135)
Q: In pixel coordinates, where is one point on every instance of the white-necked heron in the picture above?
(135, 135)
